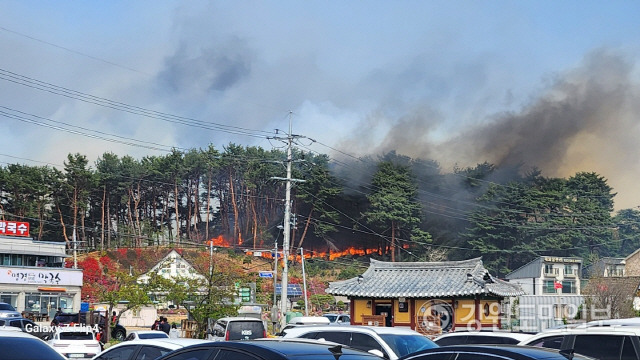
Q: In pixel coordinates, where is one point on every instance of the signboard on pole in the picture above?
(265, 274)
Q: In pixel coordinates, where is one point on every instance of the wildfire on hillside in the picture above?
(221, 242)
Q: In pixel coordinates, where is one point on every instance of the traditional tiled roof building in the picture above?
(427, 296)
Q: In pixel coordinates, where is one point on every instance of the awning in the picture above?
(52, 289)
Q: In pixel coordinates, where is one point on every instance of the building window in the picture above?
(32, 303)
(568, 270)
(615, 271)
(549, 270)
(568, 287)
(9, 298)
(548, 287)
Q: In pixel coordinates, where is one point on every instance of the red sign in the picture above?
(14, 228)
(557, 285)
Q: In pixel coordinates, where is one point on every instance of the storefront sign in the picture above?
(40, 277)
(14, 228)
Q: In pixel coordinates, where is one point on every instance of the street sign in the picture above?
(265, 274)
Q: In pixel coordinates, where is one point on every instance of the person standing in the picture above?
(164, 325)
(174, 333)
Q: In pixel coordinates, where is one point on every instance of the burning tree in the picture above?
(394, 205)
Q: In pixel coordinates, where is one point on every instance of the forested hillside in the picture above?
(391, 207)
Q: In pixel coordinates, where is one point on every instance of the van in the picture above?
(237, 328)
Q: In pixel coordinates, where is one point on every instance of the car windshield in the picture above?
(155, 335)
(76, 335)
(6, 307)
(331, 318)
(407, 344)
(245, 330)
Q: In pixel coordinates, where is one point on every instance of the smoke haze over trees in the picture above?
(392, 202)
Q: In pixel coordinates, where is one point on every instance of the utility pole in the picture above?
(287, 226)
(304, 282)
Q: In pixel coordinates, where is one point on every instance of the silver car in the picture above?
(8, 311)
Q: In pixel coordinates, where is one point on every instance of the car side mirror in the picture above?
(376, 352)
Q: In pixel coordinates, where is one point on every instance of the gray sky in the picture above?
(545, 83)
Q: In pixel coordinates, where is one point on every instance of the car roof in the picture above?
(598, 330)
(635, 321)
(239, 318)
(14, 333)
(167, 343)
(510, 351)
(354, 328)
(287, 347)
(513, 335)
(309, 320)
(147, 332)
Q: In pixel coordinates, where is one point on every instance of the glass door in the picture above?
(50, 305)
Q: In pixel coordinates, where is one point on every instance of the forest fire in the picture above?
(220, 241)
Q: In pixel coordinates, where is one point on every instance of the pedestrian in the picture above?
(164, 325)
(174, 333)
(156, 325)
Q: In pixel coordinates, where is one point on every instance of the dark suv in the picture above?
(118, 332)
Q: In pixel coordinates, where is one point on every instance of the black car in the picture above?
(493, 352)
(268, 349)
(118, 332)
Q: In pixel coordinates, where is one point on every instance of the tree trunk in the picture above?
(393, 241)
(306, 226)
(177, 203)
(104, 196)
(236, 230)
(206, 229)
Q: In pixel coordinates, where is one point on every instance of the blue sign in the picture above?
(265, 274)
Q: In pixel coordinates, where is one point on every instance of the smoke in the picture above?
(585, 120)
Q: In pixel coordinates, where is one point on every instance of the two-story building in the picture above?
(33, 278)
(552, 286)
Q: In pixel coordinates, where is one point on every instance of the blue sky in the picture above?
(548, 83)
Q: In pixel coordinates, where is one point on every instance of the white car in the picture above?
(481, 337)
(75, 342)
(145, 349)
(25, 346)
(146, 334)
(389, 342)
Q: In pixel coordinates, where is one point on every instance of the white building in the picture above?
(549, 275)
(172, 266)
(33, 278)
(552, 287)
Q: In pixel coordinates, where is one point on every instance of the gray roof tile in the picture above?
(424, 280)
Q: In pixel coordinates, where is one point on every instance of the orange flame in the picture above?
(351, 251)
(218, 241)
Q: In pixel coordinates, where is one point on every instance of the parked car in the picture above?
(145, 349)
(28, 326)
(8, 311)
(270, 349)
(118, 332)
(237, 328)
(23, 346)
(77, 342)
(481, 337)
(492, 352)
(338, 319)
(604, 343)
(389, 342)
(146, 334)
